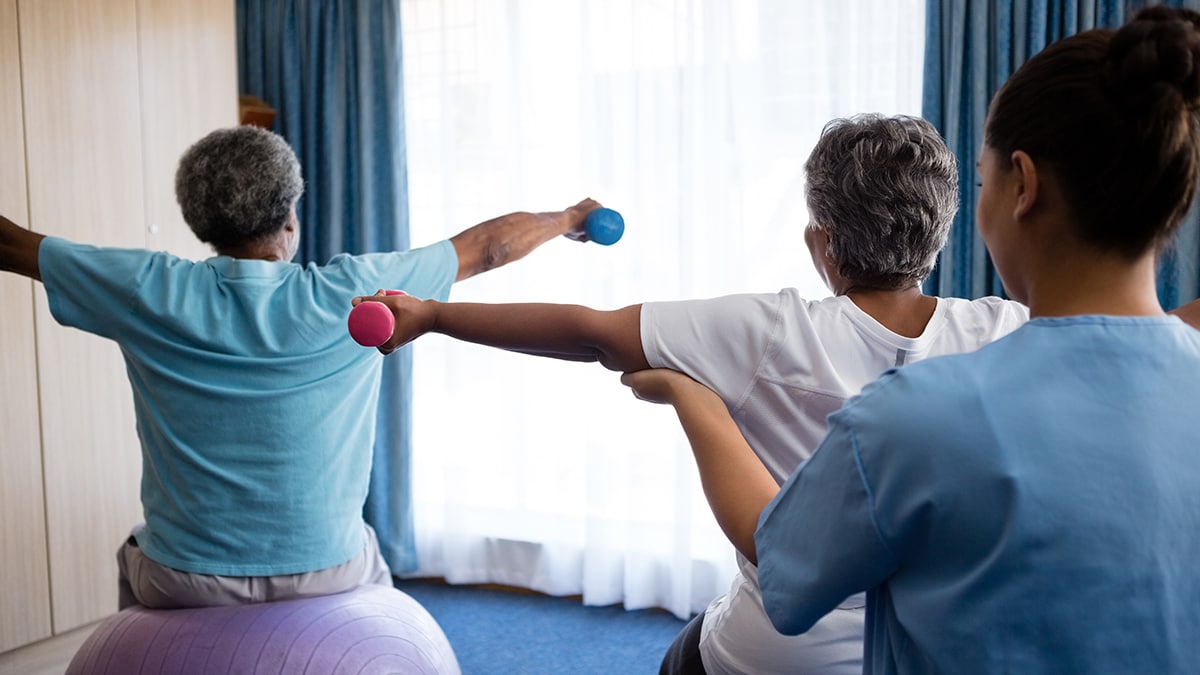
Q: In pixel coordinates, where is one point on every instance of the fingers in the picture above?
(358, 300)
(577, 215)
(650, 385)
(662, 385)
(392, 344)
(409, 317)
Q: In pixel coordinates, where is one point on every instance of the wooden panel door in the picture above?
(84, 160)
(24, 583)
(189, 88)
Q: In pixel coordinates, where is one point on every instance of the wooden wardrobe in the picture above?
(100, 98)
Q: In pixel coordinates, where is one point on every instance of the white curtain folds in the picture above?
(692, 118)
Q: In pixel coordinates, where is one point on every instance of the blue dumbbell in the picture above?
(604, 226)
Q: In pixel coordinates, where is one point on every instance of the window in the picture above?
(693, 118)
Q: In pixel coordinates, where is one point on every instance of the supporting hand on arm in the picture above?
(19, 249)
(735, 482)
(502, 240)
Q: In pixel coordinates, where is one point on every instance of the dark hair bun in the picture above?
(1157, 56)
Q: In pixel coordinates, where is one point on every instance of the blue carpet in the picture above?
(511, 633)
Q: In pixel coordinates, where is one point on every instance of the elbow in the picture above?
(491, 255)
(621, 361)
(787, 626)
(785, 606)
(496, 253)
(614, 362)
(616, 338)
(784, 616)
(480, 250)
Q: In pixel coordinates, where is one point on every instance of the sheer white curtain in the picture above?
(692, 118)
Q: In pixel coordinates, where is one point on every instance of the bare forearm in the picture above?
(19, 249)
(569, 332)
(510, 237)
(736, 483)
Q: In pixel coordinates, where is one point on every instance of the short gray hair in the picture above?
(885, 190)
(237, 185)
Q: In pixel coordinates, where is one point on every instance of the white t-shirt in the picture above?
(782, 364)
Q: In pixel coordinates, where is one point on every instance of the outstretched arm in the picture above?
(19, 249)
(1190, 313)
(568, 332)
(502, 240)
(737, 485)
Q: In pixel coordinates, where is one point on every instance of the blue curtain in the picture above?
(333, 72)
(971, 48)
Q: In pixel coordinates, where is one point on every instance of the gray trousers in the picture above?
(144, 582)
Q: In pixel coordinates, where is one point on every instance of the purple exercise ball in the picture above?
(369, 630)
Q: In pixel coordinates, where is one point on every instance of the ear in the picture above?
(817, 239)
(826, 242)
(291, 230)
(1027, 185)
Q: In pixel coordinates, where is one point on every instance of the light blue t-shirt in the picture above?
(255, 409)
(1033, 507)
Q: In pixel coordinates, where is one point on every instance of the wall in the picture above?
(110, 94)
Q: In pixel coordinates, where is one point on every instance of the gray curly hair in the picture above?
(885, 190)
(237, 185)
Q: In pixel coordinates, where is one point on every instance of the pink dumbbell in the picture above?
(371, 323)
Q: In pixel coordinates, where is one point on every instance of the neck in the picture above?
(1104, 284)
(904, 311)
(274, 249)
(862, 295)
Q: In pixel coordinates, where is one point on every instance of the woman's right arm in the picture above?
(568, 332)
